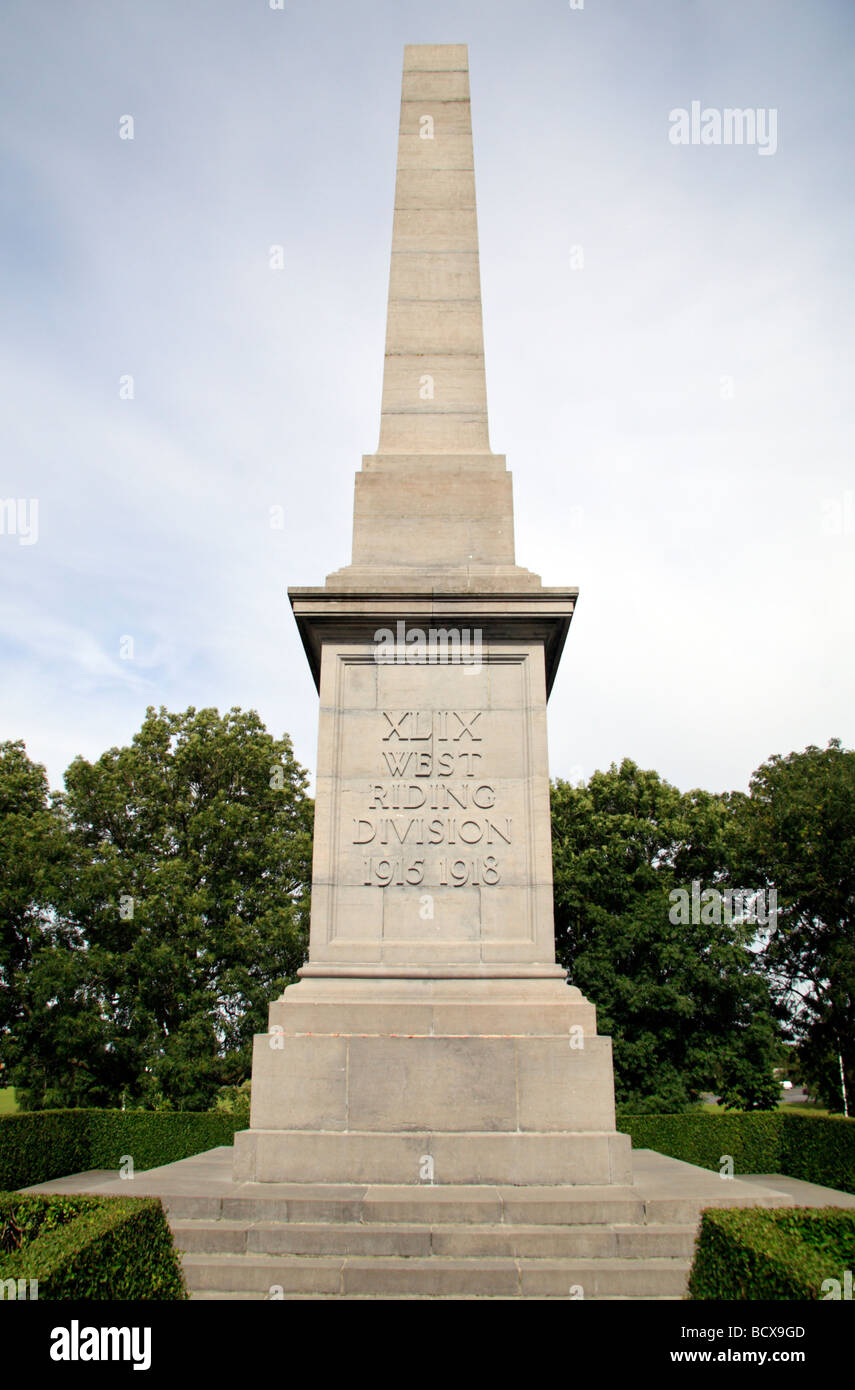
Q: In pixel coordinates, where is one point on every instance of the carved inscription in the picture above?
(431, 815)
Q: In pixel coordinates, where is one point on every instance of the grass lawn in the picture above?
(798, 1106)
(8, 1105)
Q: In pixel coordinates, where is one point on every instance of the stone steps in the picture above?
(359, 1240)
(413, 1241)
(269, 1241)
(421, 1240)
(312, 1204)
(413, 1204)
(434, 1276)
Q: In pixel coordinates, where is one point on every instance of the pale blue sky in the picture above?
(715, 622)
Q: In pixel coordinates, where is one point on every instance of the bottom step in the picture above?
(221, 1295)
(435, 1277)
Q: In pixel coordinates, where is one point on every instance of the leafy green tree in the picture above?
(48, 1019)
(183, 911)
(683, 1001)
(28, 849)
(797, 832)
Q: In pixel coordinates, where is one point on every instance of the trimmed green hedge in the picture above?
(775, 1253)
(816, 1148)
(89, 1247)
(752, 1139)
(819, 1148)
(39, 1145)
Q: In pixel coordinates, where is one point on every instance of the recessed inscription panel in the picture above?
(430, 804)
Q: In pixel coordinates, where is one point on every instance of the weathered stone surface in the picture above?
(531, 1159)
(432, 783)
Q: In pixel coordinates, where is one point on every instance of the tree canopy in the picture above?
(797, 834)
(685, 1002)
(139, 963)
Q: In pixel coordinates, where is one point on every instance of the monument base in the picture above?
(466, 1078)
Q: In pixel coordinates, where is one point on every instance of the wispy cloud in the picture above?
(714, 625)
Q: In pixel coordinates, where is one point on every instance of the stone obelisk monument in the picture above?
(432, 1037)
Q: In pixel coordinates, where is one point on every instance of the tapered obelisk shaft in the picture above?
(433, 507)
(434, 388)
